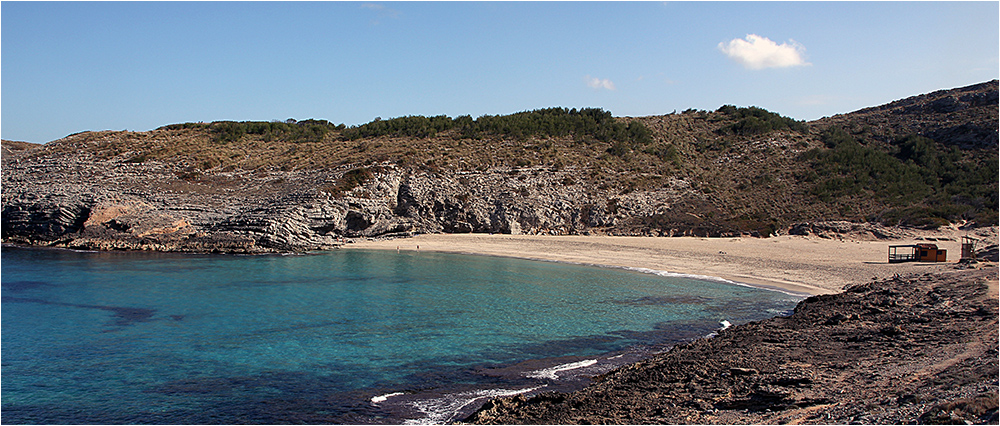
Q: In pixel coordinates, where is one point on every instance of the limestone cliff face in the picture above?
(60, 197)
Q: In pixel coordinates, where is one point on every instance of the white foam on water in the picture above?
(79, 250)
(550, 373)
(708, 278)
(382, 398)
(443, 410)
(724, 324)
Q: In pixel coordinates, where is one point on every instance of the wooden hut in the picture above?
(968, 248)
(917, 253)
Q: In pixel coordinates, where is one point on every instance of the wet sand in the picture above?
(801, 264)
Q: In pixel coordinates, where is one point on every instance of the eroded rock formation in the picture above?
(55, 197)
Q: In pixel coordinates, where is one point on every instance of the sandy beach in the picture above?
(801, 264)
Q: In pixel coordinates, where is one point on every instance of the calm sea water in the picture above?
(349, 336)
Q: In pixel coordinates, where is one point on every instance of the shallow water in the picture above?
(349, 336)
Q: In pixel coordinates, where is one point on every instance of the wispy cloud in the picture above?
(599, 83)
(381, 11)
(756, 52)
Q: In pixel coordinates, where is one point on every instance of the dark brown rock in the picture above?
(932, 357)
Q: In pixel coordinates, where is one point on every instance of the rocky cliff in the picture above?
(79, 201)
(195, 187)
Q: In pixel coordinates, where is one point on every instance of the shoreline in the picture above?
(906, 350)
(803, 265)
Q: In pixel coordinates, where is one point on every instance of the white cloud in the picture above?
(756, 52)
(599, 83)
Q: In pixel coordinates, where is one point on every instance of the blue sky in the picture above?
(75, 66)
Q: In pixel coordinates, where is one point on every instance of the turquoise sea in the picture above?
(349, 336)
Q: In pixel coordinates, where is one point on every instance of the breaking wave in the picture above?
(552, 372)
(446, 408)
(383, 398)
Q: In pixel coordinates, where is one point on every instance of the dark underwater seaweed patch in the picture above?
(122, 316)
(667, 300)
(19, 286)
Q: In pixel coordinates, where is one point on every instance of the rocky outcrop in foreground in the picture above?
(920, 349)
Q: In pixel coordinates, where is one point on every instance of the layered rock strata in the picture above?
(77, 201)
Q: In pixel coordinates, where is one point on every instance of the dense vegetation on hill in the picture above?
(586, 123)
(757, 121)
(748, 169)
(922, 183)
(583, 124)
(287, 131)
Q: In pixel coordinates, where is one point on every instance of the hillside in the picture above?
(923, 161)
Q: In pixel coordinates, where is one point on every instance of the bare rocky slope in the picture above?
(908, 350)
(948, 116)
(195, 187)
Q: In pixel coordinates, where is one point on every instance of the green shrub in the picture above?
(351, 179)
(755, 121)
(666, 152)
